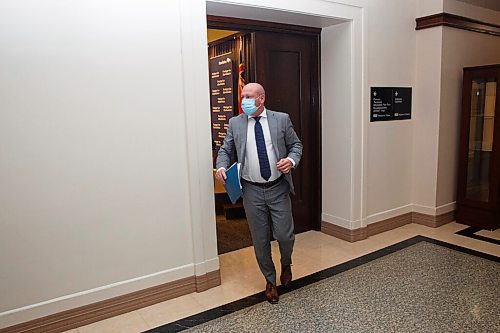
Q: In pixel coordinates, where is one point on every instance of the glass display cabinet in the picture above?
(478, 197)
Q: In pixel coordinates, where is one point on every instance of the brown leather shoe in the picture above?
(272, 293)
(286, 276)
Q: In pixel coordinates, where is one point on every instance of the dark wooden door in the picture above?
(287, 65)
(478, 197)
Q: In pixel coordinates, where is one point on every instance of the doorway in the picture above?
(285, 59)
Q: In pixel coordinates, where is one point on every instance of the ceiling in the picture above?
(490, 4)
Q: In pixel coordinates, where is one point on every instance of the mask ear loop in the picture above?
(261, 104)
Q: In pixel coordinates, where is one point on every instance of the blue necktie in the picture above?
(265, 169)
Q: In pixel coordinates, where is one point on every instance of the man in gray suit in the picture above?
(268, 149)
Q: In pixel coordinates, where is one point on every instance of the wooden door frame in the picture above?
(239, 24)
(468, 209)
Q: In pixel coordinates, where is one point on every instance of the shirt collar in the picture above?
(262, 115)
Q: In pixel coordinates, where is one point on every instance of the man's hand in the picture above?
(221, 175)
(284, 165)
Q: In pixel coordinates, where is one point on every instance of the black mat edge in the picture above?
(471, 233)
(206, 316)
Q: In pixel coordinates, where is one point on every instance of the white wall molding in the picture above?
(389, 214)
(198, 132)
(424, 209)
(341, 222)
(434, 211)
(446, 208)
(336, 108)
(209, 266)
(324, 9)
(359, 118)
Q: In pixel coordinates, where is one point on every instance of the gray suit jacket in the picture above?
(285, 141)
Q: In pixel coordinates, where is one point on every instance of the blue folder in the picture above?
(232, 184)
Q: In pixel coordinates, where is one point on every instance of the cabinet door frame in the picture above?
(467, 207)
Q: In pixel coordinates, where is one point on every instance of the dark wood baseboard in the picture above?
(207, 281)
(459, 22)
(355, 235)
(389, 224)
(350, 235)
(433, 221)
(92, 313)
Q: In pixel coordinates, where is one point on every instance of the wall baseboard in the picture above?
(207, 281)
(355, 235)
(389, 224)
(350, 235)
(433, 221)
(66, 320)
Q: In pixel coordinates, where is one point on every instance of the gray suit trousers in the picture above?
(270, 209)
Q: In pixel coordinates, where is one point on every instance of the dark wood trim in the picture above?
(445, 218)
(433, 221)
(459, 22)
(350, 235)
(372, 229)
(92, 313)
(484, 214)
(389, 224)
(233, 23)
(316, 120)
(476, 68)
(207, 281)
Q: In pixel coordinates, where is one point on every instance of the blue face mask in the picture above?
(248, 106)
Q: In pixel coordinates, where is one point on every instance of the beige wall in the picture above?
(96, 172)
(460, 49)
(426, 119)
(392, 56)
(429, 7)
(471, 10)
(336, 123)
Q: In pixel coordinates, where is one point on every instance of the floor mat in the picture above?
(232, 234)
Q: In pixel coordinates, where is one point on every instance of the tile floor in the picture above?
(490, 234)
(314, 251)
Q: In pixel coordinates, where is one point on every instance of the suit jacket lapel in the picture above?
(243, 131)
(273, 129)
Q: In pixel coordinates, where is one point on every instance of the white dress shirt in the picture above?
(252, 172)
(252, 158)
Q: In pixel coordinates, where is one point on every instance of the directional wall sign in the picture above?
(390, 103)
